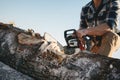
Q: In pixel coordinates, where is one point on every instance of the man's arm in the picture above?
(95, 31)
(109, 25)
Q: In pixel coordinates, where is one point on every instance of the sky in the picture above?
(51, 16)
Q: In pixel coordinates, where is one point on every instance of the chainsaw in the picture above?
(72, 39)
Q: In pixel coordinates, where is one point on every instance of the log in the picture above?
(8, 73)
(28, 58)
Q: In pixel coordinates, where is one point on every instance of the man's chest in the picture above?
(95, 17)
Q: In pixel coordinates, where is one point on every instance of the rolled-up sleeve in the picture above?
(113, 14)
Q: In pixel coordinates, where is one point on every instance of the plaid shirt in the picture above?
(107, 12)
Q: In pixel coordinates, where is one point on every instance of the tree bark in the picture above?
(29, 60)
(8, 73)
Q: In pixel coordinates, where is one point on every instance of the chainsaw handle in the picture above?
(74, 32)
(67, 32)
(71, 34)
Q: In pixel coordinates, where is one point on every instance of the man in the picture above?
(99, 19)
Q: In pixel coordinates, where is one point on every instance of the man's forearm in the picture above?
(98, 30)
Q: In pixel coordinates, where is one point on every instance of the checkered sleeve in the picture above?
(83, 23)
(113, 13)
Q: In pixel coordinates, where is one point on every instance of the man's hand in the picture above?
(81, 33)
